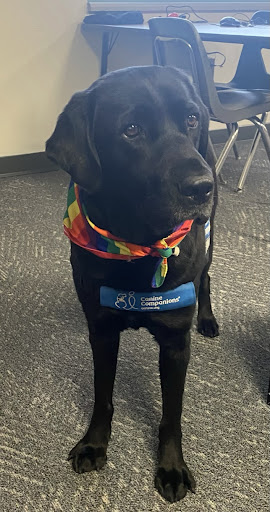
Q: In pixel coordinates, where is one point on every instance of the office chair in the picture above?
(177, 43)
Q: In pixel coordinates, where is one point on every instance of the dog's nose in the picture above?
(198, 188)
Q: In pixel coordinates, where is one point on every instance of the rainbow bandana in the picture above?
(80, 230)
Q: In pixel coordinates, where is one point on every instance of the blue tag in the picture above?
(125, 300)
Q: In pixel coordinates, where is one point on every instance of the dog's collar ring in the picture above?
(176, 251)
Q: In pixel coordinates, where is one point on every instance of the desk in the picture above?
(253, 40)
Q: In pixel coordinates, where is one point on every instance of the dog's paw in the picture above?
(87, 458)
(208, 326)
(173, 484)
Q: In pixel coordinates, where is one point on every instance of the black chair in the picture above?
(177, 43)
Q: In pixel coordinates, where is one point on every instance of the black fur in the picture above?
(139, 189)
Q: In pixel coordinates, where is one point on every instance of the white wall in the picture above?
(45, 59)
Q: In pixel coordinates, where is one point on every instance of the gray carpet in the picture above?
(46, 362)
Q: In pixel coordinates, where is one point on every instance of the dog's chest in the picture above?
(134, 320)
(137, 274)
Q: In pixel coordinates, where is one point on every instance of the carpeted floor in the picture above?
(47, 366)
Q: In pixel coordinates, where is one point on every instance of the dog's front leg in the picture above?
(90, 452)
(173, 477)
(207, 324)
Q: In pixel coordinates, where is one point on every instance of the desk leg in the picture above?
(104, 53)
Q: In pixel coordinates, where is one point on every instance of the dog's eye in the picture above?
(192, 121)
(132, 131)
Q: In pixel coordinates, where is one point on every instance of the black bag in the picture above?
(115, 18)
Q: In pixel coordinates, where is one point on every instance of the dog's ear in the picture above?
(203, 142)
(71, 145)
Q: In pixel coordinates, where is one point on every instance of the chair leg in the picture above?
(211, 150)
(230, 142)
(235, 149)
(260, 128)
(213, 159)
(264, 133)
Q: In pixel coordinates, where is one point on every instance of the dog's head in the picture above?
(136, 142)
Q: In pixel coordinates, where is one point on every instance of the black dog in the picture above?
(136, 143)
